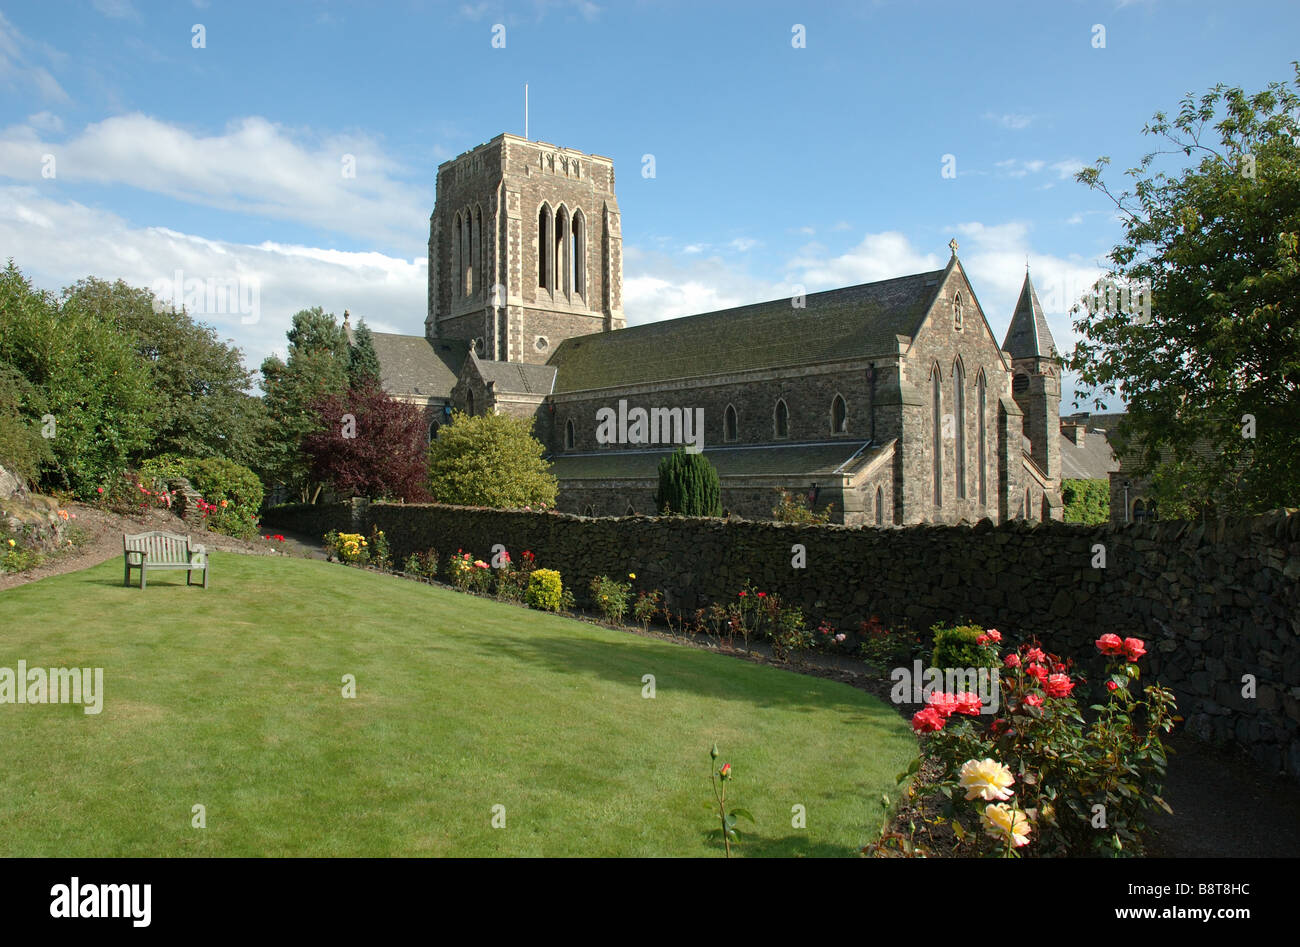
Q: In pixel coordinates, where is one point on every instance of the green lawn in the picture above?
(232, 698)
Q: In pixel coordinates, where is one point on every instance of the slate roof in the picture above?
(412, 365)
(1028, 334)
(856, 321)
(782, 460)
(517, 377)
(1093, 461)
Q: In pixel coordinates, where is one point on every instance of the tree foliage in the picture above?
(22, 449)
(85, 383)
(688, 485)
(367, 444)
(490, 460)
(200, 388)
(1211, 374)
(363, 363)
(1086, 501)
(317, 366)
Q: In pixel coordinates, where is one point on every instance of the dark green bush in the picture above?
(956, 647)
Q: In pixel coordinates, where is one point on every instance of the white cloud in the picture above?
(1068, 168)
(1012, 120)
(743, 244)
(116, 9)
(19, 73)
(45, 122)
(879, 256)
(61, 242)
(253, 167)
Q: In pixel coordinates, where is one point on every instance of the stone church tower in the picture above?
(525, 250)
(1036, 388)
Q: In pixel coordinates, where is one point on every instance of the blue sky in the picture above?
(775, 165)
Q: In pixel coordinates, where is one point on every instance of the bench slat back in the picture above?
(159, 547)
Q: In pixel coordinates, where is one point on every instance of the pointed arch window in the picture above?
(981, 425)
(472, 273)
(562, 283)
(880, 506)
(578, 264)
(469, 401)
(781, 419)
(959, 415)
(568, 434)
(839, 415)
(1029, 503)
(936, 427)
(730, 426)
(544, 247)
(957, 314)
(457, 240)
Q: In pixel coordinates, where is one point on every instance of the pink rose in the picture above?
(1059, 685)
(1012, 660)
(1134, 648)
(927, 721)
(945, 705)
(1034, 700)
(968, 704)
(1109, 644)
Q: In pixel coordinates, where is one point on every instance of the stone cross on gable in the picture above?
(952, 245)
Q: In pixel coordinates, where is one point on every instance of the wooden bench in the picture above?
(159, 550)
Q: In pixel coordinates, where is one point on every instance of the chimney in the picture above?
(1076, 432)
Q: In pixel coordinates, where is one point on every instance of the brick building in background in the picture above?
(892, 400)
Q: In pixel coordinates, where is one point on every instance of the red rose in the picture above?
(1035, 655)
(99, 489)
(761, 594)
(927, 721)
(726, 771)
(945, 705)
(1112, 686)
(1109, 644)
(1058, 685)
(1012, 660)
(1034, 700)
(983, 639)
(994, 634)
(1134, 648)
(968, 704)
(1000, 726)
(1037, 672)
(742, 594)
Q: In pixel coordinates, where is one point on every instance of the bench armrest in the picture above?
(198, 552)
(134, 552)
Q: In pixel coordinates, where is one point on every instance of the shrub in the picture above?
(1086, 501)
(233, 489)
(790, 638)
(611, 597)
(490, 460)
(645, 606)
(688, 485)
(469, 574)
(348, 547)
(1063, 768)
(545, 590)
(960, 647)
(15, 557)
(793, 508)
(380, 555)
(511, 583)
(423, 564)
(886, 647)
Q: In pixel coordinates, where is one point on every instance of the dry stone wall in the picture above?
(1218, 604)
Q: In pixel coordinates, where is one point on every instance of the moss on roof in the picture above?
(856, 321)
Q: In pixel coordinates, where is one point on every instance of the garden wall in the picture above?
(1214, 602)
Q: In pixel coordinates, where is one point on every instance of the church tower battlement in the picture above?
(525, 249)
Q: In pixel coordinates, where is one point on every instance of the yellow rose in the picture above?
(631, 575)
(986, 779)
(11, 542)
(1003, 822)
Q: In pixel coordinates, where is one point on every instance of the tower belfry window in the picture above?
(543, 247)
(562, 283)
(579, 255)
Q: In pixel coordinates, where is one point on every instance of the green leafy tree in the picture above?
(1086, 501)
(1211, 371)
(87, 384)
(688, 485)
(490, 460)
(200, 386)
(317, 367)
(22, 449)
(363, 363)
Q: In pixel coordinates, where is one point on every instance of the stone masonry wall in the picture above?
(1213, 602)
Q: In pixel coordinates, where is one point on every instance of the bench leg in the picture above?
(143, 568)
(206, 566)
(126, 575)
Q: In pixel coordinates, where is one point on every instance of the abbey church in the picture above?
(892, 401)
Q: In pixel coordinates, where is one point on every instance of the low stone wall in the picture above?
(1214, 602)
